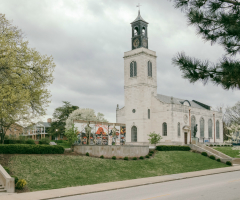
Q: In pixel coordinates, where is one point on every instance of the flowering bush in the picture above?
(21, 184)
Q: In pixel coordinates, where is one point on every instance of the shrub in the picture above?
(147, 156)
(134, 158)
(44, 141)
(218, 145)
(30, 149)
(59, 141)
(114, 157)
(7, 170)
(228, 163)
(218, 160)
(87, 154)
(211, 145)
(101, 156)
(21, 184)
(141, 157)
(173, 148)
(151, 151)
(16, 179)
(125, 158)
(212, 157)
(30, 141)
(154, 138)
(204, 153)
(150, 154)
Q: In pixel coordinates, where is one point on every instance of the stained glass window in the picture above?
(202, 128)
(133, 69)
(179, 133)
(210, 128)
(217, 130)
(164, 129)
(134, 134)
(193, 122)
(149, 68)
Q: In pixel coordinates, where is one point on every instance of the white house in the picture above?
(146, 111)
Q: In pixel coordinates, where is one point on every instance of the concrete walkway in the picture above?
(49, 194)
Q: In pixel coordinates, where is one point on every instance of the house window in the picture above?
(164, 129)
(193, 122)
(201, 128)
(148, 113)
(179, 131)
(134, 134)
(217, 130)
(210, 128)
(150, 68)
(133, 69)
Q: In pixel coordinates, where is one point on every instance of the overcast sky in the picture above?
(87, 39)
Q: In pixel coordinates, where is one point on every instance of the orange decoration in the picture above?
(100, 131)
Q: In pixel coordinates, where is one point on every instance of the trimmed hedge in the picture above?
(30, 149)
(173, 148)
(27, 141)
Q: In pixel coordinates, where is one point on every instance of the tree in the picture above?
(71, 134)
(60, 116)
(24, 78)
(216, 21)
(154, 138)
(86, 114)
(232, 114)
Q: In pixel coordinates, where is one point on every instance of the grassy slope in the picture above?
(228, 151)
(58, 171)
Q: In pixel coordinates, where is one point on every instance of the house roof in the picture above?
(46, 124)
(193, 103)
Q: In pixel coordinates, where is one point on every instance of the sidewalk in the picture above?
(70, 191)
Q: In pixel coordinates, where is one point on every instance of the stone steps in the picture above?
(214, 151)
(2, 189)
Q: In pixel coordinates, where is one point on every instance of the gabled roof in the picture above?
(139, 18)
(193, 103)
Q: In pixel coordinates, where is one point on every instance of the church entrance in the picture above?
(185, 138)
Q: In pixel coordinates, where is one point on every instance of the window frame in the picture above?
(134, 134)
(164, 129)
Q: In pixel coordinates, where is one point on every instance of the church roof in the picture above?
(139, 18)
(193, 103)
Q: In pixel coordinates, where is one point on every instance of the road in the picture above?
(225, 186)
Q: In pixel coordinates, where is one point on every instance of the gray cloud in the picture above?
(87, 39)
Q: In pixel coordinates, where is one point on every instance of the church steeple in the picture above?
(139, 32)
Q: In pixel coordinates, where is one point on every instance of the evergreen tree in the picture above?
(60, 116)
(217, 21)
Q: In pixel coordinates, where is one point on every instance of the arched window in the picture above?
(143, 31)
(201, 128)
(210, 128)
(193, 122)
(133, 69)
(134, 134)
(135, 31)
(179, 133)
(149, 68)
(164, 129)
(217, 130)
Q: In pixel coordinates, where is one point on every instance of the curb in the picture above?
(87, 189)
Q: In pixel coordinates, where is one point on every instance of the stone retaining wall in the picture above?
(110, 151)
(6, 180)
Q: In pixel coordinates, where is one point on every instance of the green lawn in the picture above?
(58, 171)
(228, 151)
(63, 143)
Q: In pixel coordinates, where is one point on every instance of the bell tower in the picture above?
(139, 32)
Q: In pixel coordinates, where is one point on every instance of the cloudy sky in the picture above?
(87, 39)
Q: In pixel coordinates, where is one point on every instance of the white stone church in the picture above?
(146, 111)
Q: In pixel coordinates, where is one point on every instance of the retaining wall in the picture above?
(114, 150)
(6, 181)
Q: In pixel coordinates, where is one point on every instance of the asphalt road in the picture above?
(225, 186)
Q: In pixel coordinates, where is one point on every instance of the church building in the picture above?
(146, 111)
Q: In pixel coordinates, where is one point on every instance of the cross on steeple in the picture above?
(138, 6)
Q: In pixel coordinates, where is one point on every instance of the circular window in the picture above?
(133, 110)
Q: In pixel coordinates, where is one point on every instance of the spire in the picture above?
(139, 18)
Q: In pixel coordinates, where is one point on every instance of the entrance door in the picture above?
(185, 138)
